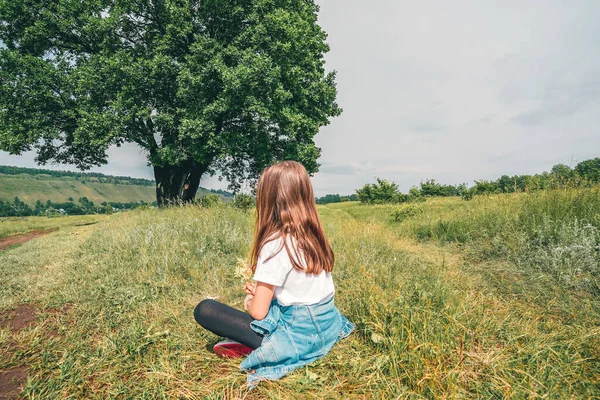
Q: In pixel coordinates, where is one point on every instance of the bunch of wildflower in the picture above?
(243, 270)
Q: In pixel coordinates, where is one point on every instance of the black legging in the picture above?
(226, 321)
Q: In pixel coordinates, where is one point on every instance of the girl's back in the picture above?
(293, 287)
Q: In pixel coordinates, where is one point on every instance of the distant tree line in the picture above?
(584, 174)
(93, 177)
(335, 198)
(117, 180)
(223, 193)
(83, 206)
(18, 208)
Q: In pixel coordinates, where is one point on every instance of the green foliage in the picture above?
(586, 173)
(329, 198)
(223, 193)
(83, 207)
(415, 196)
(563, 174)
(16, 208)
(560, 176)
(90, 176)
(589, 170)
(210, 200)
(244, 201)
(565, 249)
(486, 187)
(336, 198)
(468, 194)
(200, 85)
(384, 192)
(433, 189)
(379, 193)
(401, 214)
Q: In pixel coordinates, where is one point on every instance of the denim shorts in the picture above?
(294, 336)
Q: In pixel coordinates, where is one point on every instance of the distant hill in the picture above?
(32, 184)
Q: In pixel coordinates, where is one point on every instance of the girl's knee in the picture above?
(204, 309)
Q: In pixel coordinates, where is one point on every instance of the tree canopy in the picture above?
(202, 86)
(378, 193)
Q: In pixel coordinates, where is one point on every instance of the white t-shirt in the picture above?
(292, 286)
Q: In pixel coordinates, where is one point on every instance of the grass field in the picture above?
(498, 297)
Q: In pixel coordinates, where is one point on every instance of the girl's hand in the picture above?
(247, 301)
(250, 288)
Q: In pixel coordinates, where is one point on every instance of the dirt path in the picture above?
(19, 238)
(12, 380)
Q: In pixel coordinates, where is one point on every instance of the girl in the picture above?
(292, 319)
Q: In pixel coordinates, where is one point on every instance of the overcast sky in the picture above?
(455, 91)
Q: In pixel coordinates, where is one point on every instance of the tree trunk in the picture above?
(177, 184)
(190, 188)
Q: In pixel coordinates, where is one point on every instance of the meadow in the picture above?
(498, 297)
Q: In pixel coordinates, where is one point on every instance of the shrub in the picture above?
(589, 170)
(468, 194)
(210, 200)
(244, 201)
(431, 188)
(568, 250)
(404, 213)
(378, 193)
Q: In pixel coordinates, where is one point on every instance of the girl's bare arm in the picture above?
(258, 307)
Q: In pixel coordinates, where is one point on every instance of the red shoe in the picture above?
(231, 349)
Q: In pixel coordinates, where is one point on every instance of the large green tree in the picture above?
(201, 85)
(589, 169)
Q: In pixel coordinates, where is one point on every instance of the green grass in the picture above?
(439, 313)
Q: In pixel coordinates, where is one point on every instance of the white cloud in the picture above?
(456, 91)
(460, 91)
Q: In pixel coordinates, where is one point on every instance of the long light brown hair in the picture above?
(286, 208)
